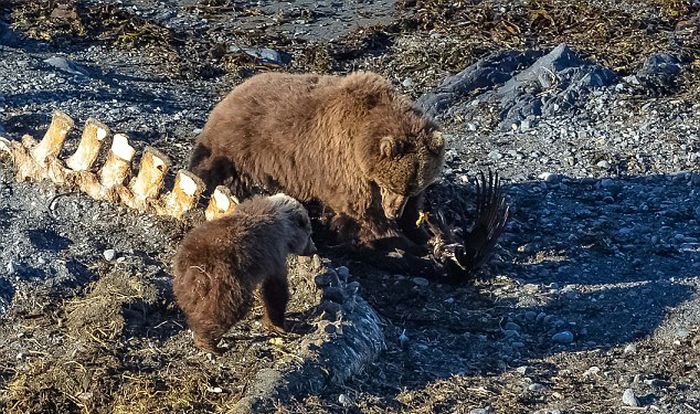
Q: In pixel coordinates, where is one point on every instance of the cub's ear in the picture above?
(390, 147)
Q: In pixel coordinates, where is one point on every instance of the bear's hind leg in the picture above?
(275, 293)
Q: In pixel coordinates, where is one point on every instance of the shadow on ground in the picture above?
(584, 264)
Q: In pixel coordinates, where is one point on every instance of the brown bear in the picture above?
(220, 263)
(351, 142)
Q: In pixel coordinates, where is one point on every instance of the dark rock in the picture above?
(327, 278)
(659, 70)
(486, 73)
(565, 337)
(554, 84)
(334, 294)
(566, 77)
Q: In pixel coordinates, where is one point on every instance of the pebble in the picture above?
(512, 326)
(485, 410)
(540, 317)
(564, 337)
(421, 281)
(630, 349)
(682, 333)
(530, 316)
(408, 82)
(603, 164)
(536, 387)
(549, 177)
(629, 399)
(495, 155)
(109, 254)
(509, 333)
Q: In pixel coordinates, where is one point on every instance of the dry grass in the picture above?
(99, 315)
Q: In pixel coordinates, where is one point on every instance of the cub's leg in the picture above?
(207, 338)
(275, 293)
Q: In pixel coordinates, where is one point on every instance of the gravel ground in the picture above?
(590, 304)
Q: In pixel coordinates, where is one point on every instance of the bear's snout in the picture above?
(393, 204)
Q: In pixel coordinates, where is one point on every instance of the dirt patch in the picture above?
(102, 314)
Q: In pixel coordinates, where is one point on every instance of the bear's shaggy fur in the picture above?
(220, 263)
(353, 143)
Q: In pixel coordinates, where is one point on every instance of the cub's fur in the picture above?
(353, 143)
(220, 263)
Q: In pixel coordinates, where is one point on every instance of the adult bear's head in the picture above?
(396, 145)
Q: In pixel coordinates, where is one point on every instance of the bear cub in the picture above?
(220, 263)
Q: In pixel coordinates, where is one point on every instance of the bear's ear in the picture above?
(437, 141)
(389, 147)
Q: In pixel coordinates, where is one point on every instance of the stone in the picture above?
(343, 272)
(629, 399)
(264, 55)
(64, 65)
(109, 254)
(659, 70)
(682, 333)
(495, 155)
(523, 370)
(536, 387)
(549, 177)
(334, 294)
(420, 281)
(564, 337)
(512, 326)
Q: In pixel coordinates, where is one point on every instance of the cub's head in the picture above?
(297, 223)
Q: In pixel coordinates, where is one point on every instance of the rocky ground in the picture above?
(589, 110)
